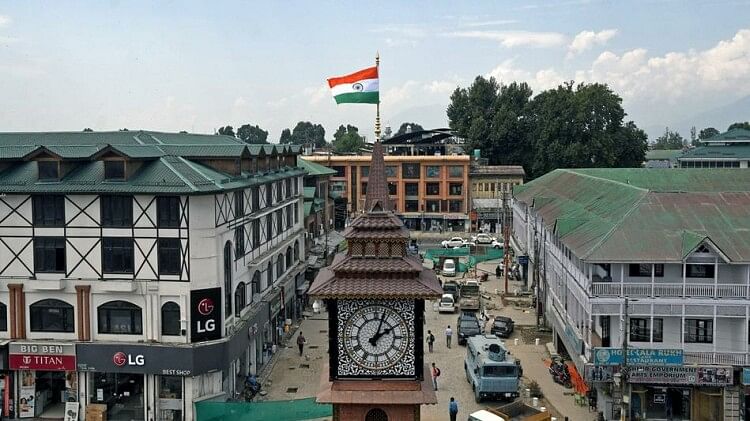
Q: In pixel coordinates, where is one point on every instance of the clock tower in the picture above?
(375, 294)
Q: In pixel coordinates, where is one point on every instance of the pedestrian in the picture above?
(448, 335)
(430, 340)
(435, 374)
(301, 343)
(453, 409)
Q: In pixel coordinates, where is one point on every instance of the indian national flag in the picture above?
(359, 87)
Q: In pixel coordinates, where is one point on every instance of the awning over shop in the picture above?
(303, 288)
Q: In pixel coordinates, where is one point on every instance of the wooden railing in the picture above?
(616, 289)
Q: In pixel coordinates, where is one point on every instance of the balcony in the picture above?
(679, 290)
(719, 358)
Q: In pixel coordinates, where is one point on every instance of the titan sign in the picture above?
(42, 356)
(205, 314)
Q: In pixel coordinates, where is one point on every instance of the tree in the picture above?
(693, 137)
(414, 128)
(707, 133)
(305, 133)
(669, 140)
(347, 139)
(227, 131)
(88, 129)
(252, 134)
(740, 125)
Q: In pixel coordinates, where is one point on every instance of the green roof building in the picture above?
(730, 149)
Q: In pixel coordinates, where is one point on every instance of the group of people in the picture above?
(431, 338)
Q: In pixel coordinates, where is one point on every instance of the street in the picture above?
(294, 376)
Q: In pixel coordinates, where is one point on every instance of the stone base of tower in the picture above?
(399, 400)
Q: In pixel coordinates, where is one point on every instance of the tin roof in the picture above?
(651, 215)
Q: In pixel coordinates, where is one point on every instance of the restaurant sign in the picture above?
(613, 356)
(41, 356)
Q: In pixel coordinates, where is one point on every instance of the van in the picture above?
(490, 369)
(449, 268)
(484, 415)
(447, 304)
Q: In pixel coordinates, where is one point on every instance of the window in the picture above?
(289, 261)
(288, 184)
(269, 227)
(3, 317)
(51, 316)
(296, 251)
(391, 171)
(280, 265)
(411, 205)
(433, 189)
(256, 282)
(639, 330)
(170, 319)
(279, 192)
(296, 213)
(256, 198)
(699, 331)
(49, 254)
(392, 188)
(364, 187)
(658, 330)
(114, 170)
(455, 205)
(169, 256)
(48, 170)
(364, 171)
(410, 170)
(644, 269)
(289, 212)
(227, 279)
(279, 221)
(433, 206)
(239, 299)
(500, 371)
(456, 189)
(120, 318)
(604, 323)
(48, 210)
(269, 194)
(699, 271)
(269, 273)
(412, 189)
(117, 255)
(116, 211)
(239, 204)
(256, 233)
(340, 170)
(455, 171)
(239, 242)
(433, 171)
(168, 211)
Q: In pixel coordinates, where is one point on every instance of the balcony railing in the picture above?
(719, 358)
(655, 290)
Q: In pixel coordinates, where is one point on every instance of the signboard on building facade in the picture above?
(205, 314)
(146, 359)
(745, 376)
(613, 356)
(677, 375)
(41, 356)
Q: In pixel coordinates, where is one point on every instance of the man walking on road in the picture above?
(435, 374)
(301, 343)
(430, 340)
(448, 335)
(453, 409)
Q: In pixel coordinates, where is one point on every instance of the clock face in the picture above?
(376, 338)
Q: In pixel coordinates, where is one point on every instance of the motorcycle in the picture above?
(560, 374)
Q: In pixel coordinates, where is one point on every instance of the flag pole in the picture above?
(377, 106)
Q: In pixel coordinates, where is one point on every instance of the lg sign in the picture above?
(205, 323)
(121, 359)
(205, 306)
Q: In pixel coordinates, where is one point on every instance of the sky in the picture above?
(197, 65)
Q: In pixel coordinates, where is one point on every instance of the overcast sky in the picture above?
(196, 66)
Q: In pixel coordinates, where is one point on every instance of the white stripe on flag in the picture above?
(364, 85)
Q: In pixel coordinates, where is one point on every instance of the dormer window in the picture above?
(114, 170)
(49, 170)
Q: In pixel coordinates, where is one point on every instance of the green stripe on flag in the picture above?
(358, 98)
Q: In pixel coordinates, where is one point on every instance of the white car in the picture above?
(453, 242)
(466, 244)
(447, 304)
(483, 238)
(497, 244)
(449, 268)
(483, 415)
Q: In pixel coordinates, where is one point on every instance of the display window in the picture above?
(121, 392)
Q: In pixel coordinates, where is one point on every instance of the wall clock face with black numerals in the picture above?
(376, 338)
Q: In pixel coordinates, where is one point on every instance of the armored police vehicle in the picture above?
(490, 369)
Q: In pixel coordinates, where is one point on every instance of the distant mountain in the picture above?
(719, 118)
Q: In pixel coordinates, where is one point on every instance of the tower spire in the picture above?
(377, 198)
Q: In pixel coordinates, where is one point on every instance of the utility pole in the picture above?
(624, 406)
(506, 240)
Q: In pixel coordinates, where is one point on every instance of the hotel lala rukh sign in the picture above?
(42, 356)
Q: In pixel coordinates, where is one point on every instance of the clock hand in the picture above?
(374, 339)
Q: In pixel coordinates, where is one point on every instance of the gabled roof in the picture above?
(642, 215)
(663, 154)
(313, 168)
(717, 152)
(734, 135)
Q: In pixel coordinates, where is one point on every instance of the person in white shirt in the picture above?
(448, 335)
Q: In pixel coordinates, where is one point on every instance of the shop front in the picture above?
(130, 379)
(45, 378)
(6, 382)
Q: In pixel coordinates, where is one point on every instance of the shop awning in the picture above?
(303, 288)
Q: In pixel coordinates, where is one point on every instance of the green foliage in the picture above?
(252, 134)
(535, 390)
(693, 137)
(414, 128)
(740, 125)
(567, 127)
(305, 133)
(88, 129)
(227, 131)
(347, 139)
(707, 133)
(669, 140)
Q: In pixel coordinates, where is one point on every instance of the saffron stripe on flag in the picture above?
(369, 73)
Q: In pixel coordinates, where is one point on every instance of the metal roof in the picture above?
(313, 168)
(734, 135)
(637, 215)
(717, 152)
(490, 170)
(663, 154)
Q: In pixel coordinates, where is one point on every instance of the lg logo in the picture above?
(205, 306)
(120, 359)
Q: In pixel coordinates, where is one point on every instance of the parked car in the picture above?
(497, 244)
(449, 268)
(468, 326)
(453, 242)
(466, 244)
(451, 287)
(483, 238)
(502, 326)
(447, 304)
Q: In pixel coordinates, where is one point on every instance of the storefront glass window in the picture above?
(120, 317)
(170, 398)
(121, 392)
